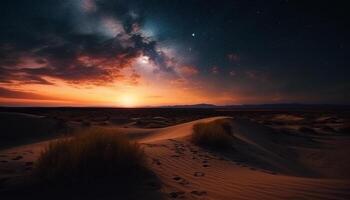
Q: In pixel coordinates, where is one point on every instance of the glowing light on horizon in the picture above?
(127, 101)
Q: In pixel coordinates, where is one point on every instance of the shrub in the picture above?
(96, 155)
(216, 134)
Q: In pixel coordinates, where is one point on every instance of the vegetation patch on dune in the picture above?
(90, 158)
(216, 134)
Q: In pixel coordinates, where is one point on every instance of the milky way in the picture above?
(222, 52)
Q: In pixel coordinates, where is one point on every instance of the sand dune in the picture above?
(191, 172)
(177, 131)
(264, 165)
(19, 128)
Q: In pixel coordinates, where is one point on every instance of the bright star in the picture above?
(144, 59)
(193, 34)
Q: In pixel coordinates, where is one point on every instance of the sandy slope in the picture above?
(20, 128)
(263, 166)
(191, 172)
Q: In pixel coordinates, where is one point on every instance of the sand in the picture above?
(264, 165)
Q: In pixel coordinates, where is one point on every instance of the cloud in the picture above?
(233, 57)
(257, 75)
(88, 6)
(16, 94)
(154, 96)
(18, 76)
(187, 70)
(233, 73)
(215, 70)
(84, 41)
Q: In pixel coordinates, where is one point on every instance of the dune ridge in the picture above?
(262, 165)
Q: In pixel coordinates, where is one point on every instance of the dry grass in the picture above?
(216, 134)
(97, 155)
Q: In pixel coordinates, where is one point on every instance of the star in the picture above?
(193, 34)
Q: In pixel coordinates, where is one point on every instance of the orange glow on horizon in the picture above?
(135, 85)
(119, 94)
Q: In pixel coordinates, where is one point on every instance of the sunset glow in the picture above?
(96, 54)
(174, 99)
(127, 101)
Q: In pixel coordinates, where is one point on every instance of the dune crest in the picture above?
(263, 165)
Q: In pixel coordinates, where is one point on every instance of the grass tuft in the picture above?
(94, 156)
(215, 135)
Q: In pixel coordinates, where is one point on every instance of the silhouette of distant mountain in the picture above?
(202, 105)
(264, 106)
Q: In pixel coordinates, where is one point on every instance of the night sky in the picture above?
(159, 52)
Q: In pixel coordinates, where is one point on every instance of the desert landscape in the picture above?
(266, 154)
(174, 99)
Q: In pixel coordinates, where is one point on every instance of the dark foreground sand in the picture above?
(264, 165)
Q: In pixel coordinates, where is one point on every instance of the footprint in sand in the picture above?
(17, 158)
(206, 157)
(181, 181)
(179, 150)
(198, 193)
(198, 174)
(156, 161)
(184, 182)
(178, 194)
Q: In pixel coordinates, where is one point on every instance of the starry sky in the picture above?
(150, 53)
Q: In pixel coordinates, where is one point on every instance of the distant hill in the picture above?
(202, 105)
(285, 106)
(264, 106)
